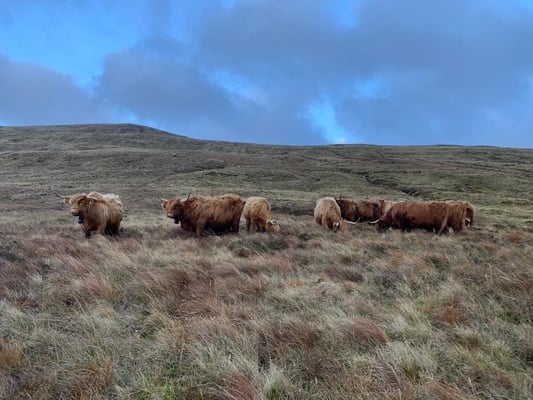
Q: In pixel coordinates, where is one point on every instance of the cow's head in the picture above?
(382, 223)
(78, 204)
(341, 225)
(469, 217)
(173, 207)
(272, 226)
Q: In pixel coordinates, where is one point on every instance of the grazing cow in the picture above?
(258, 215)
(328, 214)
(359, 210)
(430, 215)
(220, 214)
(459, 214)
(468, 210)
(96, 212)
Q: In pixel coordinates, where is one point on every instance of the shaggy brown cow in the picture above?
(459, 214)
(258, 215)
(468, 210)
(96, 212)
(359, 210)
(328, 214)
(222, 213)
(430, 215)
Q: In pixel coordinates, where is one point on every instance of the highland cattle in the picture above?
(96, 212)
(197, 213)
(258, 215)
(327, 213)
(435, 216)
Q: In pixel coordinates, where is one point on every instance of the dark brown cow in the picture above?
(359, 210)
(96, 212)
(220, 214)
(430, 215)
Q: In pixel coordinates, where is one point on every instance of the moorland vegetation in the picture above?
(155, 313)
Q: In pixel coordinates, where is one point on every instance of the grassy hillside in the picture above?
(158, 314)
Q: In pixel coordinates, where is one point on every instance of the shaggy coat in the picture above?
(221, 214)
(328, 214)
(385, 206)
(459, 215)
(258, 215)
(430, 215)
(359, 210)
(96, 212)
(468, 209)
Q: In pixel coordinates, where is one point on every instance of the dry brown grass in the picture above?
(157, 314)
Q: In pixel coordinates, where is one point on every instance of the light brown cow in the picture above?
(221, 214)
(96, 212)
(359, 210)
(258, 214)
(328, 214)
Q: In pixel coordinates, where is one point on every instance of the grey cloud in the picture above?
(448, 72)
(32, 94)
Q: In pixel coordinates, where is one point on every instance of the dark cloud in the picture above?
(33, 95)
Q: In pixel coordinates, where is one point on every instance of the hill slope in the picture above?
(156, 313)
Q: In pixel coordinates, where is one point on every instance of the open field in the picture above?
(306, 314)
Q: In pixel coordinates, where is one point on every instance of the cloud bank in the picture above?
(307, 72)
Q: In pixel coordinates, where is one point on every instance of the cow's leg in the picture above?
(200, 225)
(444, 224)
(248, 223)
(236, 223)
(255, 225)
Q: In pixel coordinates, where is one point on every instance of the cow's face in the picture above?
(173, 208)
(469, 220)
(341, 225)
(78, 204)
(273, 226)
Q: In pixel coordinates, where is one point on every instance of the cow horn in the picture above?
(188, 196)
(468, 220)
(354, 223)
(61, 197)
(373, 222)
(160, 198)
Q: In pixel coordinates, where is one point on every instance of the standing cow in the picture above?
(328, 214)
(258, 214)
(222, 213)
(430, 215)
(459, 214)
(96, 212)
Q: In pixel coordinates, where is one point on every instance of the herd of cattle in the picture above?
(102, 213)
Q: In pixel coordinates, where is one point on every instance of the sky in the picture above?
(299, 72)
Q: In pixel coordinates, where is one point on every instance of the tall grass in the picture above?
(156, 313)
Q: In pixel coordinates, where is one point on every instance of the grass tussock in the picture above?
(156, 313)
